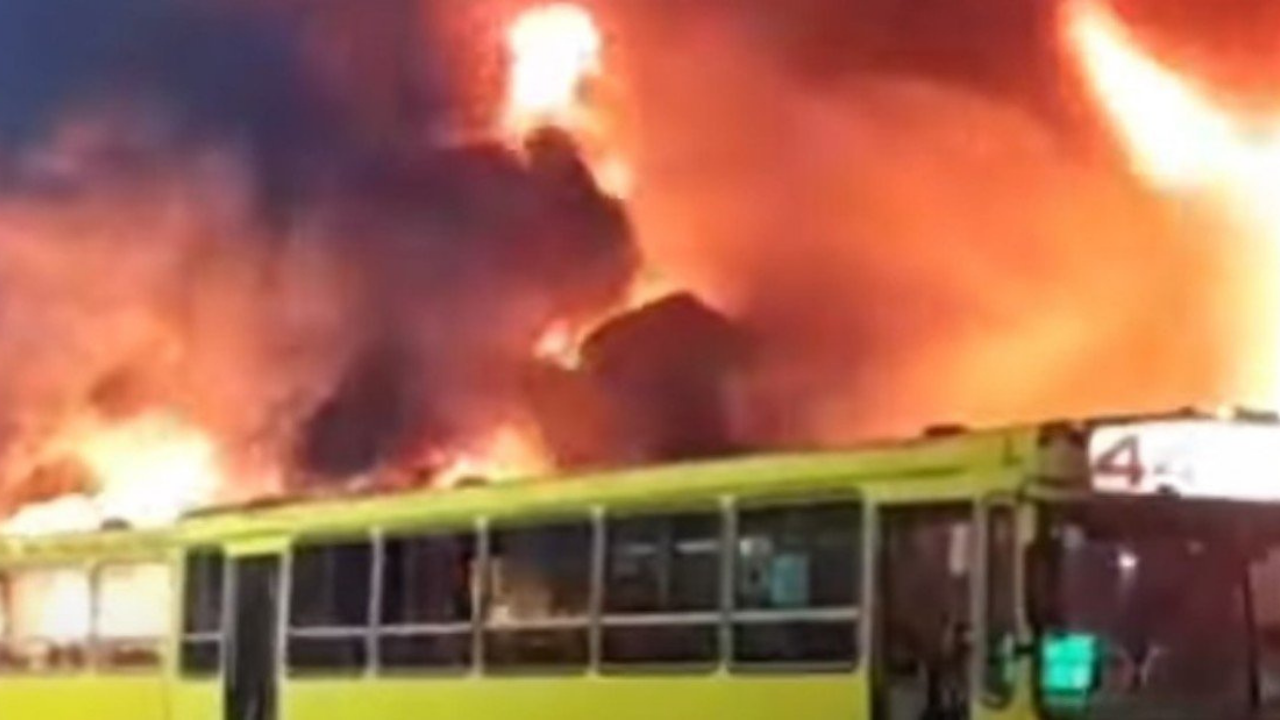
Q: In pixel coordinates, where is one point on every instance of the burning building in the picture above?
(248, 248)
(356, 299)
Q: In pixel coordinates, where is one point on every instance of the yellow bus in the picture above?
(1114, 569)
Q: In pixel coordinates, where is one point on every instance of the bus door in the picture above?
(1001, 670)
(251, 688)
(923, 625)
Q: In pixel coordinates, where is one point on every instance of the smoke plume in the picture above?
(199, 214)
(887, 214)
(922, 223)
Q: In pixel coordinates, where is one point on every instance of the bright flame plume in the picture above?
(511, 451)
(1182, 139)
(555, 51)
(146, 470)
(561, 342)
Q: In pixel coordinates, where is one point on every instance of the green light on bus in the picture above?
(1068, 663)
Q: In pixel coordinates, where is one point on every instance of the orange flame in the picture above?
(555, 50)
(509, 452)
(556, 56)
(148, 470)
(1181, 139)
(55, 606)
(561, 342)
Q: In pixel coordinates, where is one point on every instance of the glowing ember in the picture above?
(1181, 139)
(148, 470)
(556, 54)
(554, 50)
(561, 343)
(511, 451)
(69, 513)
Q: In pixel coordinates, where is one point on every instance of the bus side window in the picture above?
(1001, 550)
(662, 589)
(202, 597)
(329, 606)
(49, 618)
(537, 592)
(797, 584)
(5, 659)
(924, 599)
(1264, 599)
(425, 618)
(131, 614)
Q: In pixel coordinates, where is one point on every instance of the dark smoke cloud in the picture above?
(473, 254)
(208, 209)
(658, 383)
(228, 208)
(214, 73)
(671, 371)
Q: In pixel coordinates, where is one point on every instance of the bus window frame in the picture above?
(87, 643)
(215, 637)
(727, 508)
(6, 614)
(161, 643)
(587, 622)
(715, 617)
(465, 628)
(972, 504)
(856, 615)
(987, 506)
(366, 633)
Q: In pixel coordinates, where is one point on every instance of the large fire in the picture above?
(561, 343)
(1183, 139)
(556, 54)
(333, 335)
(148, 469)
(561, 67)
(511, 451)
(145, 471)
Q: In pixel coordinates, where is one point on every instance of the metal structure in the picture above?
(1008, 574)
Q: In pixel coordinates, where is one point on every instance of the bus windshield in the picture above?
(1160, 609)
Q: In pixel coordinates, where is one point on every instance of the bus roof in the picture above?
(956, 462)
(931, 456)
(937, 449)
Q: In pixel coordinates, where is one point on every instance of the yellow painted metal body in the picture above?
(74, 697)
(90, 692)
(970, 467)
(676, 697)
